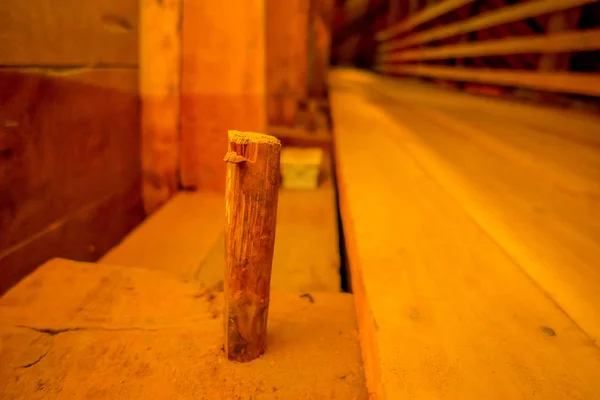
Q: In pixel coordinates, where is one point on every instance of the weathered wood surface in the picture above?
(87, 331)
(70, 145)
(186, 239)
(72, 32)
(160, 76)
(468, 246)
(251, 197)
(219, 93)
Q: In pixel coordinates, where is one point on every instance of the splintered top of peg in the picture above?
(252, 137)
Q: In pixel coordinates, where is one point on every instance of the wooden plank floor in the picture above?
(472, 228)
(82, 331)
(186, 238)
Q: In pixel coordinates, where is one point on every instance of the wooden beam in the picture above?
(421, 17)
(223, 84)
(565, 82)
(501, 16)
(160, 73)
(553, 43)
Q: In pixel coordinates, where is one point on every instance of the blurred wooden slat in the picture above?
(431, 12)
(552, 43)
(446, 306)
(223, 84)
(160, 70)
(72, 32)
(492, 18)
(565, 82)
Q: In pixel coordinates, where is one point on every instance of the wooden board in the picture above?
(39, 32)
(69, 140)
(223, 84)
(160, 75)
(186, 239)
(286, 58)
(88, 331)
(445, 309)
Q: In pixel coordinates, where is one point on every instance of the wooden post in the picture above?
(251, 208)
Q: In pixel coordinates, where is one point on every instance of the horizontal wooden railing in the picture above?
(553, 43)
(399, 48)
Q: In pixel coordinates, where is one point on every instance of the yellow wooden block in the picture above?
(300, 167)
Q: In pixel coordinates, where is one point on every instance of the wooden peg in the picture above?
(251, 210)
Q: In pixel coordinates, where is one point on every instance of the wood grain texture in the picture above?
(219, 93)
(253, 176)
(160, 73)
(551, 43)
(40, 32)
(286, 58)
(432, 263)
(562, 82)
(67, 141)
(489, 19)
(162, 334)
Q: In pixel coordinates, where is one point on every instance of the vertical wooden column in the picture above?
(251, 212)
(287, 41)
(223, 83)
(321, 15)
(160, 70)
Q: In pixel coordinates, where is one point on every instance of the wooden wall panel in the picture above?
(84, 236)
(287, 63)
(223, 84)
(68, 140)
(74, 32)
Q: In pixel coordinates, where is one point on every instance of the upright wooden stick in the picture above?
(251, 210)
